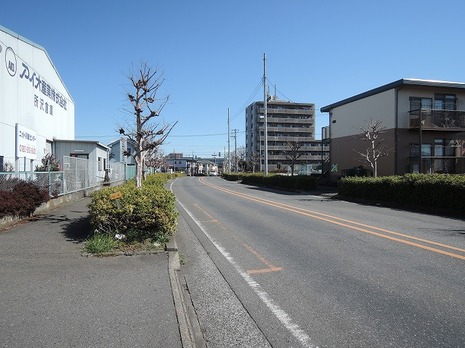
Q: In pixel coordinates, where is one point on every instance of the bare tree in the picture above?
(293, 154)
(145, 107)
(372, 133)
(238, 159)
(254, 161)
(50, 163)
(154, 158)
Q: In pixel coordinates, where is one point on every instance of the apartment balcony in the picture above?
(272, 147)
(271, 111)
(290, 120)
(280, 130)
(437, 120)
(301, 159)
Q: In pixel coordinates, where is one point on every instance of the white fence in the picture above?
(78, 174)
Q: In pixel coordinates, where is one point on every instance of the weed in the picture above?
(181, 259)
(100, 243)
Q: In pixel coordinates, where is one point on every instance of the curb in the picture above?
(189, 327)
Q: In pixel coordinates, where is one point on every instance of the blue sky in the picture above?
(211, 55)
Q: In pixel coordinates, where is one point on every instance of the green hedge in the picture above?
(299, 182)
(141, 213)
(440, 191)
(232, 176)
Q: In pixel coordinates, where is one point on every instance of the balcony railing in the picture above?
(303, 158)
(271, 110)
(437, 119)
(290, 120)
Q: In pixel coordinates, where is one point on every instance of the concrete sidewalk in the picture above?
(52, 296)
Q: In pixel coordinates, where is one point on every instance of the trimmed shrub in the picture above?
(141, 213)
(441, 191)
(22, 199)
(299, 182)
(232, 176)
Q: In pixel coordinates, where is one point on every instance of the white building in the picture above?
(35, 105)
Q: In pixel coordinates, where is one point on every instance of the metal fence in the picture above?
(78, 174)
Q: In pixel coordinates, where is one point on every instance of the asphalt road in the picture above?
(302, 270)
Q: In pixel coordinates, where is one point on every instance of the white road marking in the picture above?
(280, 314)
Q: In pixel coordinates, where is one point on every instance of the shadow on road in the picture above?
(78, 230)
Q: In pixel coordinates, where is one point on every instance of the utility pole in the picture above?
(265, 112)
(235, 146)
(229, 147)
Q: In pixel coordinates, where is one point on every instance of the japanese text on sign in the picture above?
(42, 85)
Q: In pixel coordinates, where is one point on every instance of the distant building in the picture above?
(424, 124)
(287, 122)
(122, 150)
(176, 162)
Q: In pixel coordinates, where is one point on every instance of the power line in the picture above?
(196, 135)
(277, 90)
(249, 100)
(201, 135)
(171, 135)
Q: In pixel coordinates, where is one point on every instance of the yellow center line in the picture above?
(350, 224)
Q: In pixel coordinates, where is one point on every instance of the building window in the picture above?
(79, 155)
(417, 103)
(100, 163)
(439, 147)
(445, 101)
(426, 149)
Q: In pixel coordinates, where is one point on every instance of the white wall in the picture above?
(32, 94)
(347, 119)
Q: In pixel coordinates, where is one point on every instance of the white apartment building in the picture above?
(286, 122)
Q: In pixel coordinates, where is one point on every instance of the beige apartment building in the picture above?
(286, 122)
(424, 122)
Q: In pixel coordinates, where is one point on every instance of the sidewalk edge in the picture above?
(189, 327)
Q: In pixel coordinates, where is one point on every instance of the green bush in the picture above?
(440, 191)
(232, 176)
(141, 213)
(299, 182)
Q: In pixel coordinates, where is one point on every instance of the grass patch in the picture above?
(104, 244)
(100, 243)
